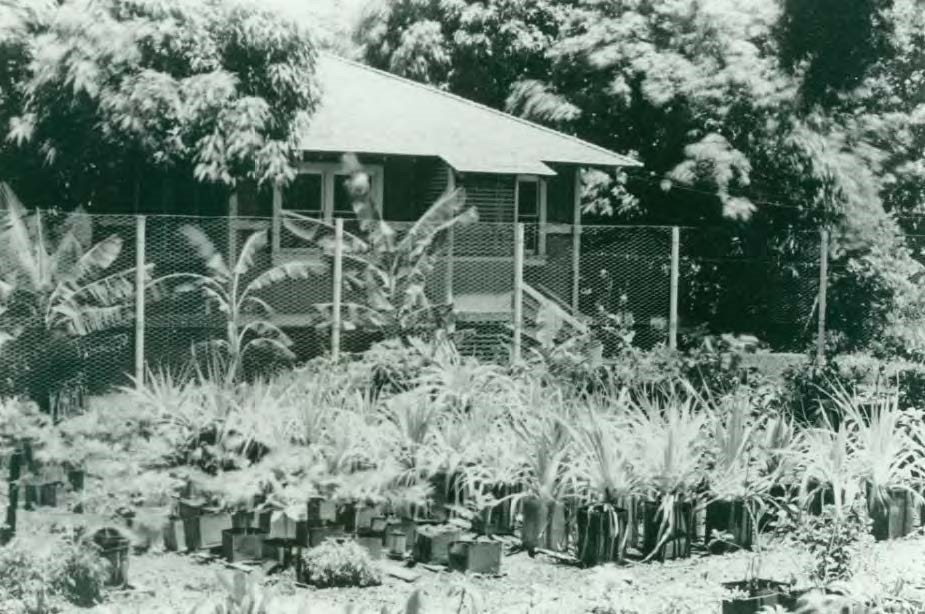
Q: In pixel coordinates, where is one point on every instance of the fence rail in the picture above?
(662, 284)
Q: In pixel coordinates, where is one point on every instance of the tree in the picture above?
(112, 102)
(744, 115)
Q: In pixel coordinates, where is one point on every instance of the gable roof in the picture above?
(365, 110)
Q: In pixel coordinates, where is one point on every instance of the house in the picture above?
(416, 141)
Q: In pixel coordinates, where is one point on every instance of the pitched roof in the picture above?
(364, 110)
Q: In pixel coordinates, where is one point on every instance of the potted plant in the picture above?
(887, 457)
(604, 482)
(667, 439)
(541, 444)
(737, 483)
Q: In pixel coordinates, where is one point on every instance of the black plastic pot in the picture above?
(476, 556)
(759, 594)
(243, 544)
(114, 549)
(893, 517)
(204, 532)
(733, 518)
(679, 531)
(601, 533)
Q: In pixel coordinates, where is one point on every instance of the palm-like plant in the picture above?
(391, 271)
(827, 460)
(234, 290)
(57, 285)
(667, 438)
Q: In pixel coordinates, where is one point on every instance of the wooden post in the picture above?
(338, 287)
(518, 292)
(232, 228)
(451, 241)
(673, 300)
(576, 242)
(140, 283)
(823, 288)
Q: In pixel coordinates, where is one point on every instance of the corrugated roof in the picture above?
(364, 110)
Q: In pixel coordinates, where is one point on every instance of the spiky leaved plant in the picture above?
(57, 283)
(234, 289)
(666, 437)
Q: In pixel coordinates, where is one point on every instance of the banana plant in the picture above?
(234, 291)
(388, 268)
(56, 285)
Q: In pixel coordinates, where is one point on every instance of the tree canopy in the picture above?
(771, 115)
(101, 100)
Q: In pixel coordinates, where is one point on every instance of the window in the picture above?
(530, 207)
(319, 191)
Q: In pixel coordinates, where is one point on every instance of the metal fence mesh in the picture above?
(728, 281)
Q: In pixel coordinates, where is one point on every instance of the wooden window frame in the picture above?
(328, 172)
(541, 206)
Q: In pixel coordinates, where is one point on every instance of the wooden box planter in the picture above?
(319, 535)
(282, 551)
(114, 549)
(174, 535)
(365, 515)
(730, 517)
(759, 594)
(282, 527)
(476, 556)
(432, 544)
(378, 524)
(243, 518)
(321, 511)
(41, 494)
(204, 532)
(893, 518)
(680, 531)
(601, 533)
(242, 544)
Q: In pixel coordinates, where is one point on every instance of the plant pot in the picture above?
(733, 518)
(321, 511)
(347, 517)
(114, 549)
(759, 594)
(894, 517)
(476, 556)
(282, 526)
(204, 532)
(432, 544)
(672, 542)
(241, 519)
(501, 516)
(76, 479)
(48, 494)
(319, 535)
(174, 535)
(364, 518)
(242, 544)
(601, 533)
(280, 550)
(396, 543)
(372, 544)
(378, 524)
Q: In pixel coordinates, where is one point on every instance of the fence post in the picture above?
(140, 282)
(518, 307)
(673, 298)
(451, 241)
(338, 287)
(823, 288)
(576, 243)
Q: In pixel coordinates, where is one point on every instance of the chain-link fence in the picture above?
(644, 285)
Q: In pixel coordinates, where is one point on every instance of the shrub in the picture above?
(339, 564)
(38, 577)
(834, 542)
